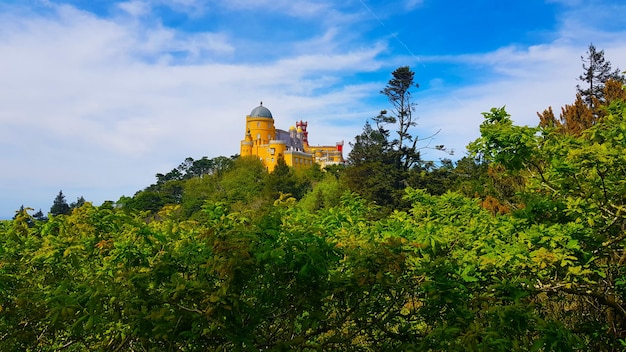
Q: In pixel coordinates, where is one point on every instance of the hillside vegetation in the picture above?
(520, 246)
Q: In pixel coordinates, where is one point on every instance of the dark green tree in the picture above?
(201, 167)
(435, 178)
(283, 180)
(78, 203)
(398, 92)
(597, 71)
(376, 182)
(222, 164)
(39, 215)
(60, 205)
(371, 145)
(145, 200)
(381, 160)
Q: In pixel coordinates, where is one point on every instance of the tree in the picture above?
(597, 71)
(371, 145)
(242, 186)
(374, 143)
(380, 161)
(78, 203)
(574, 189)
(547, 118)
(376, 182)
(398, 91)
(614, 91)
(283, 180)
(60, 206)
(602, 86)
(574, 119)
(39, 215)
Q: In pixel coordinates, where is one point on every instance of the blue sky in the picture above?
(97, 96)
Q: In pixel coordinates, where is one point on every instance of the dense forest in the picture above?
(518, 246)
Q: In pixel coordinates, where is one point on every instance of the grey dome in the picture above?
(261, 111)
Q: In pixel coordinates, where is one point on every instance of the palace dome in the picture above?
(261, 111)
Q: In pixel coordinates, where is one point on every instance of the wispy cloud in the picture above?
(304, 9)
(98, 101)
(135, 8)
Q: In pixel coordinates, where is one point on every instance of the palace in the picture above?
(268, 143)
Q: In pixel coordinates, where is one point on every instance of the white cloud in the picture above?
(135, 8)
(92, 104)
(96, 106)
(530, 80)
(304, 9)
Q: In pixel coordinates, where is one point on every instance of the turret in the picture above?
(305, 134)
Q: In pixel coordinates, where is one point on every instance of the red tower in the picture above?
(305, 134)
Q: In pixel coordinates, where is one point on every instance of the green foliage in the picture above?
(285, 180)
(377, 182)
(371, 145)
(326, 193)
(243, 183)
(60, 205)
(445, 275)
(597, 71)
(527, 255)
(574, 187)
(175, 187)
(504, 143)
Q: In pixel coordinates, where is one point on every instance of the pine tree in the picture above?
(371, 145)
(398, 91)
(597, 71)
(79, 203)
(60, 206)
(40, 216)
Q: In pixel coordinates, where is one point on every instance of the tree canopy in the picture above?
(519, 246)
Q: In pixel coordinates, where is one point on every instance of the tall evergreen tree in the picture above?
(597, 71)
(371, 145)
(78, 203)
(381, 158)
(39, 215)
(398, 92)
(283, 179)
(60, 205)
(378, 144)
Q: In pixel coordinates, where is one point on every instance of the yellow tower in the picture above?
(260, 138)
(259, 127)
